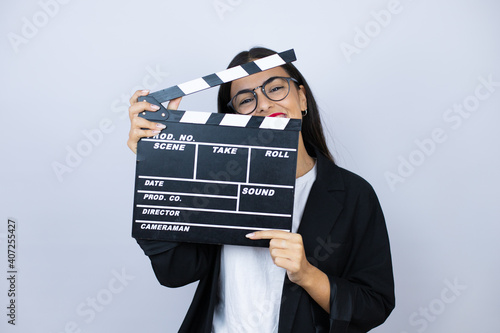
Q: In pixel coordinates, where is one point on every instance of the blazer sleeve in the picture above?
(362, 296)
(178, 264)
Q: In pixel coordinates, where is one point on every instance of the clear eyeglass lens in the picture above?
(275, 90)
(244, 102)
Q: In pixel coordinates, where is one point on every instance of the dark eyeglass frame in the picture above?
(288, 79)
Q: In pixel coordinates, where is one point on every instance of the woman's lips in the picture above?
(278, 114)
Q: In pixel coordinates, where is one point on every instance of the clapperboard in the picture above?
(213, 178)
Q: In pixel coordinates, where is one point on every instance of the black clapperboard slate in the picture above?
(212, 178)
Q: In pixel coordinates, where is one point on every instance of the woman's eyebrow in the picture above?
(245, 89)
(252, 89)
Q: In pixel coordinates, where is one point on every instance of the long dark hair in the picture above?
(312, 131)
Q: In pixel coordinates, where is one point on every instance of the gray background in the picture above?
(384, 85)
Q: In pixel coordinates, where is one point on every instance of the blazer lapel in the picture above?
(324, 204)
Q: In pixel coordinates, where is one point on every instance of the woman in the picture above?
(332, 273)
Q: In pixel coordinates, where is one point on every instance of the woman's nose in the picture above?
(263, 104)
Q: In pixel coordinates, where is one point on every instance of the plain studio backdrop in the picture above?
(409, 93)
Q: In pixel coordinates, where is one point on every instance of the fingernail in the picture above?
(155, 107)
(250, 235)
(156, 132)
(161, 125)
(145, 91)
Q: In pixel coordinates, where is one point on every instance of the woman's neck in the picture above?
(304, 162)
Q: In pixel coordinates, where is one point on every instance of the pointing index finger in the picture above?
(268, 234)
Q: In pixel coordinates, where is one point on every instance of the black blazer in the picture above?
(344, 235)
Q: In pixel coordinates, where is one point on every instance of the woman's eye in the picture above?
(275, 89)
(245, 101)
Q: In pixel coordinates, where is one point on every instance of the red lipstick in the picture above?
(276, 114)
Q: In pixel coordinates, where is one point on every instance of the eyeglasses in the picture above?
(275, 88)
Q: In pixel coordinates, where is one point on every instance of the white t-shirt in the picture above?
(250, 284)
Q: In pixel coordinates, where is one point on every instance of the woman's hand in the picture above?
(140, 127)
(287, 251)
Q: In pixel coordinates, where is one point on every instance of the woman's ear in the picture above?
(302, 98)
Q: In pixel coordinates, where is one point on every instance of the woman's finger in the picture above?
(139, 107)
(174, 104)
(137, 94)
(278, 243)
(269, 234)
(141, 128)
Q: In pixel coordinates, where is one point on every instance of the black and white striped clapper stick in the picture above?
(219, 78)
(214, 177)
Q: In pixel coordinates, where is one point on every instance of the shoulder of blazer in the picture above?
(336, 178)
